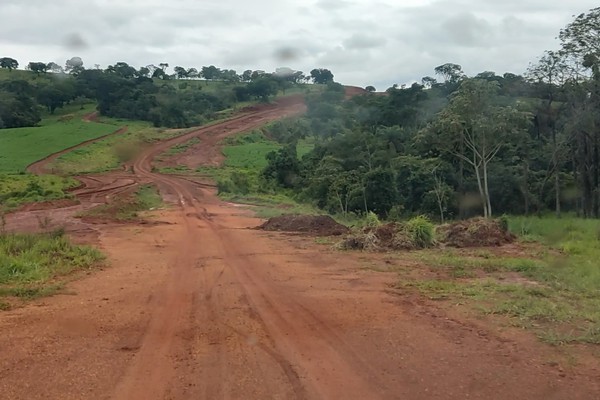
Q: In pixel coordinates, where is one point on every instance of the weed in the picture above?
(421, 231)
(31, 264)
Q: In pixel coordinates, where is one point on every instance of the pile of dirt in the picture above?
(392, 236)
(319, 225)
(475, 232)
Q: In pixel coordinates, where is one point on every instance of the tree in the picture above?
(211, 73)
(321, 75)
(475, 128)
(428, 81)
(54, 67)
(143, 72)
(247, 75)
(9, 63)
(192, 73)
(580, 44)
(550, 73)
(580, 37)
(451, 73)
(160, 74)
(74, 65)
(282, 166)
(370, 89)
(123, 70)
(37, 67)
(180, 72)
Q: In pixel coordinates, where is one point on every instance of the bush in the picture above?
(421, 231)
(225, 186)
(372, 220)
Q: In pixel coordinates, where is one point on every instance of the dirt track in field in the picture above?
(198, 306)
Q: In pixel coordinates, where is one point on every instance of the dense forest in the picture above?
(148, 93)
(456, 146)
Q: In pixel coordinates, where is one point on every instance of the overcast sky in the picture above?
(362, 42)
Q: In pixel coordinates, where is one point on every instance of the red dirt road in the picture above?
(201, 307)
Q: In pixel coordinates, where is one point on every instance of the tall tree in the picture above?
(580, 41)
(474, 128)
(550, 74)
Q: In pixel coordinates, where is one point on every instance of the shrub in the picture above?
(225, 186)
(421, 231)
(372, 220)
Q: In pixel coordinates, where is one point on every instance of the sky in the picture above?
(363, 42)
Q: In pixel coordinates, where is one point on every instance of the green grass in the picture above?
(557, 294)
(239, 178)
(25, 188)
(33, 265)
(109, 153)
(20, 147)
(128, 208)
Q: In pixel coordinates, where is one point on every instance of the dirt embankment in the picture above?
(318, 225)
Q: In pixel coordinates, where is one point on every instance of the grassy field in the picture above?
(20, 147)
(107, 154)
(21, 189)
(36, 265)
(549, 283)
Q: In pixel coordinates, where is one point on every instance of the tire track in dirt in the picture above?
(152, 371)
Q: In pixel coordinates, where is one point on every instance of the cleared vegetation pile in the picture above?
(475, 232)
(417, 233)
(320, 225)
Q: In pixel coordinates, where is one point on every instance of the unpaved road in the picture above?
(198, 306)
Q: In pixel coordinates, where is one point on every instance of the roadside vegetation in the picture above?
(35, 265)
(546, 282)
(16, 190)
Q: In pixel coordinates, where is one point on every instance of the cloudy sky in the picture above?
(363, 42)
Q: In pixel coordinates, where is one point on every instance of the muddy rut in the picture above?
(198, 306)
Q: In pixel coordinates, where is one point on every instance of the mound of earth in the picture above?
(475, 232)
(392, 236)
(319, 225)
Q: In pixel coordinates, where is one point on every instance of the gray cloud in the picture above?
(363, 42)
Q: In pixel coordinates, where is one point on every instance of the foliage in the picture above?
(30, 265)
(421, 231)
(20, 189)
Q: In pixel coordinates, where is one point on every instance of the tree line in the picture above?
(146, 94)
(454, 146)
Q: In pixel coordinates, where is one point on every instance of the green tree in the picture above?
(283, 167)
(37, 67)
(54, 67)
(321, 75)
(475, 128)
(451, 73)
(9, 63)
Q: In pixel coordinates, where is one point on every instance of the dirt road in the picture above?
(198, 306)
